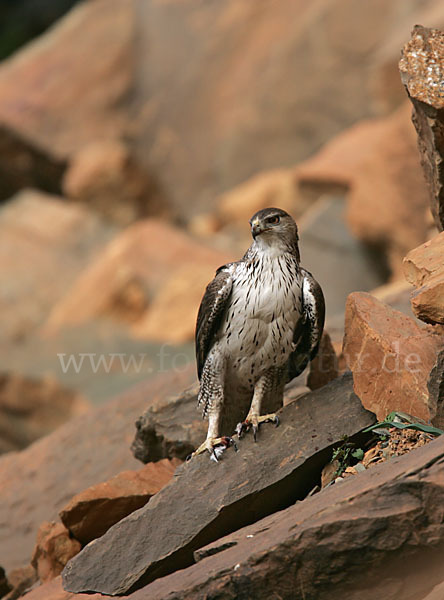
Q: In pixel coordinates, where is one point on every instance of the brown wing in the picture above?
(211, 313)
(308, 332)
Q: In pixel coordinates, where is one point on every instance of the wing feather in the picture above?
(211, 312)
(308, 332)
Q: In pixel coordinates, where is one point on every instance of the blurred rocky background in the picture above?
(137, 137)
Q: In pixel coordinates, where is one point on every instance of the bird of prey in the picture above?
(259, 324)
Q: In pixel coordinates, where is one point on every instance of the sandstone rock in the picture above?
(425, 262)
(378, 534)
(242, 488)
(23, 165)
(37, 482)
(53, 549)
(171, 427)
(278, 187)
(324, 367)
(104, 175)
(325, 236)
(422, 72)
(32, 408)
(424, 268)
(60, 114)
(377, 160)
(391, 357)
(4, 585)
(122, 282)
(21, 580)
(92, 512)
(242, 110)
(58, 240)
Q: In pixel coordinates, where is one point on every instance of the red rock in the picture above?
(134, 267)
(53, 549)
(377, 161)
(58, 240)
(424, 268)
(391, 357)
(324, 367)
(422, 72)
(37, 482)
(92, 512)
(21, 580)
(31, 408)
(61, 114)
(425, 262)
(105, 175)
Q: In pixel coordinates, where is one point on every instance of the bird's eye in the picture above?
(273, 220)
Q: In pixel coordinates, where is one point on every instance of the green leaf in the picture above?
(358, 453)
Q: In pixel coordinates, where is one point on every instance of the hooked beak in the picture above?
(256, 228)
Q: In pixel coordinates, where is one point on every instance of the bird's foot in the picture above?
(253, 422)
(215, 446)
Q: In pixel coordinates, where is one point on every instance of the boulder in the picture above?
(422, 73)
(243, 487)
(31, 408)
(137, 265)
(92, 512)
(60, 114)
(103, 174)
(170, 427)
(21, 580)
(4, 584)
(38, 482)
(377, 161)
(58, 240)
(54, 547)
(324, 368)
(378, 534)
(391, 356)
(424, 268)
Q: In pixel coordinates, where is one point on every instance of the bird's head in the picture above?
(275, 228)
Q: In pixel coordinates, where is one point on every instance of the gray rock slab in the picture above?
(205, 500)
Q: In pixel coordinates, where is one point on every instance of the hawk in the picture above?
(259, 324)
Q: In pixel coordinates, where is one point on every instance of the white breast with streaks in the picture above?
(264, 308)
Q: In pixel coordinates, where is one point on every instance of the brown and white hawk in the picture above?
(259, 324)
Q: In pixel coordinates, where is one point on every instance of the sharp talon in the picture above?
(255, 430)
(276, 421)
(189, 457)
(213, 455)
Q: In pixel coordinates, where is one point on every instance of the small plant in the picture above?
(403, 421)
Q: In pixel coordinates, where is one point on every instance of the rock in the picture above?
(324, 367)
(4, 584)
(278, 187)
(240, 95)
(31, 408)
(376, 160)
(424, 268)
(58, 240)
(93, 43)
(242, 488)
(172, 427)
(323, 226)
(122, 282)
(176, 304)
(105, 176)
(425, 262)
(422, 73)
(24, 165)
(34, 16)
(435, 385)
(53, 549)
(92, 512)
(344, 542)
(391, 357)
(21, 580)
(37, 482)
